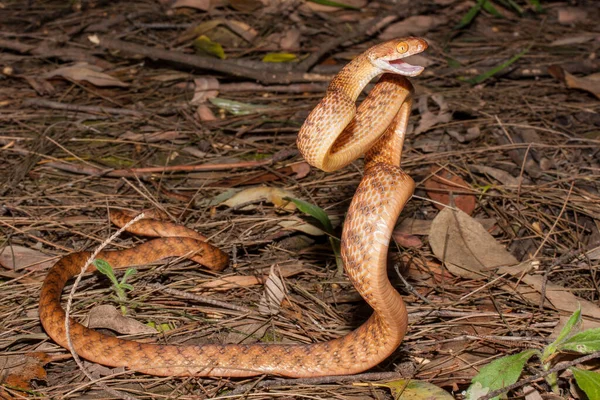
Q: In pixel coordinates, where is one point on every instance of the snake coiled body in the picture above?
(334, 134)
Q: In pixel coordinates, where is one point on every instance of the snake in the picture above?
(335, 133)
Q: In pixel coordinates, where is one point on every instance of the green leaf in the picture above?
(536, 5)
(585, 342)
(588, 381)
(129, 272)
(498, 374)
(334, 4)
(470, 15)
(489, 7)
(314, 211)
(495, 70)
(279, 57)
(105, 268)
(410, 389)
(573, 324)
(205, 45)
(126, 286)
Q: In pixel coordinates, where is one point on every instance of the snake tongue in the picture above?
(404, 68)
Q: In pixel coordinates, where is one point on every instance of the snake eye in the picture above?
(402, 47)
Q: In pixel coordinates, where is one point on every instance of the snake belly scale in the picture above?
(334, 134)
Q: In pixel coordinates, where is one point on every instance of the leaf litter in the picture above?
(522, 139)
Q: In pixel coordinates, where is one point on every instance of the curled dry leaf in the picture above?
(273, 195)
(590, 83)
(85, 72)
(442, 187)
(17, 257)
(465, 246)
(108, 317)
(205, 88)
(290, 41)
(272, 297)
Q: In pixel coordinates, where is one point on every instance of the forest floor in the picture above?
(183, 106)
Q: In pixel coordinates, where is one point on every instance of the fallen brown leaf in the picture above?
(15, 258)
(20, 369)
(273, 295)
(590, 83)
(464, 245)
(442, 187)
(85, 72)
(108, 317)
(261, 193)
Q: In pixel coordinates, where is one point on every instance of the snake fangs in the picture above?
(335, 133)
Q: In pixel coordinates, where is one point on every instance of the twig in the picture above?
(371, 376)
(202, 299)
(70, 302)
(55, 105)
(268, 74)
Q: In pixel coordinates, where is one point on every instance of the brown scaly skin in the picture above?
(333, 135)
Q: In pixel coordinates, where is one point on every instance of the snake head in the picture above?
(388, 56)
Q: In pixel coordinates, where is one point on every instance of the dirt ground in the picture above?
(177, 106)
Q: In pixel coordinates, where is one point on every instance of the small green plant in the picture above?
(119, 286)
(503, 372)
(320, 215)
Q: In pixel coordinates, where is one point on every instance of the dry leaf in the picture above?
(108, 317)
(85, 72)
(559, 297)
(204, 113)
(410, 226)
(20, 369)
(430, 119)
(15, 258)
(501, 176)
(467, 249)
(290, 40)
(590, 83)
(270, 301)
(205, 88)
(417, 25)
(261, 193)
(444, 184)
(406, 240)
(203, 5)
(531, 393)
(571, 15)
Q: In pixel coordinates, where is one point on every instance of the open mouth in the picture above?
(404, 68)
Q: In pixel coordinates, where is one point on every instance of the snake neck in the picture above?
(354, 77)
